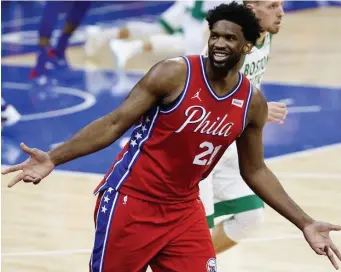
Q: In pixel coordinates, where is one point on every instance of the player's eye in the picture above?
(230, 38)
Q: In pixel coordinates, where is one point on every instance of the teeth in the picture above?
(220, 54)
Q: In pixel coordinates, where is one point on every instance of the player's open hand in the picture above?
(34, 169)
(277, 112)
(317, 235)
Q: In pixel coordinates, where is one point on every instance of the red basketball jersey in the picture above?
(171, 149)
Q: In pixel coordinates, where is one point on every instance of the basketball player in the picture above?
(148, 210)
(231, 196)
(167, 24)
(56, 56)
(176, 32)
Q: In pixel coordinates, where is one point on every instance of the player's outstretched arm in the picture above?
(158, 84)
(265, 184)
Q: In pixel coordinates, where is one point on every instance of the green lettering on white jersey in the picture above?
(255, 62)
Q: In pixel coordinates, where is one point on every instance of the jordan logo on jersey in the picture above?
(197, 115)
(197, 95)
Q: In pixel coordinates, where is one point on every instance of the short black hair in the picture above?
(238, 14)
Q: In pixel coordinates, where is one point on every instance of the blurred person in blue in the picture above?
(55, 55)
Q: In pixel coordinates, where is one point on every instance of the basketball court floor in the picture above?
(50, 227)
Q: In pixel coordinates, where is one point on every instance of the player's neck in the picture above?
(222, 83)
(260, 40)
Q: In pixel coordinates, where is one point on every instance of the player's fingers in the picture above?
(331, 257)
(278, 104)
(26, 149)
(284, 111)
(281, 114)
(279, 111)
(12, 169)
(279, 121)
(275, 120)
(276, 110)
(334, 227)
(36, 181)
(27, 178)
(31, 177)
(319, 251)
(336, 251)
(16, 180)
(278, 116)
(281, 106)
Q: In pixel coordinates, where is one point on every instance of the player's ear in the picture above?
(250, 5)
(247, 48)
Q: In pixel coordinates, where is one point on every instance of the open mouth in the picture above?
(220, 56)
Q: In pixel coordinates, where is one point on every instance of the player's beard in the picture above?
(224, 67)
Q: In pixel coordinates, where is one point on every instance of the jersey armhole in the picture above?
(247, 107)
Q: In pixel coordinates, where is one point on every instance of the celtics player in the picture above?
(137, 36)
(225, 195)
(179, 30)
(168, 23)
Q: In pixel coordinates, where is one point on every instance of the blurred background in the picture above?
(64, 64)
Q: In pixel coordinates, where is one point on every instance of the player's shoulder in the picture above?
(257, 96)
(167, 75)
(177, 64)
(169, 68)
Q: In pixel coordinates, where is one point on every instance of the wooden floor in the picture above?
(50, 228)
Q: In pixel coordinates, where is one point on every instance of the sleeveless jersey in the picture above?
(255, 62)
(171, 149)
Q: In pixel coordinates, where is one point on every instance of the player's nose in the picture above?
(280, 13)
(220, 44)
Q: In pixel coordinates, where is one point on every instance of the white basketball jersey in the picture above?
(201, 6)
(255, 62)
(199, 9)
